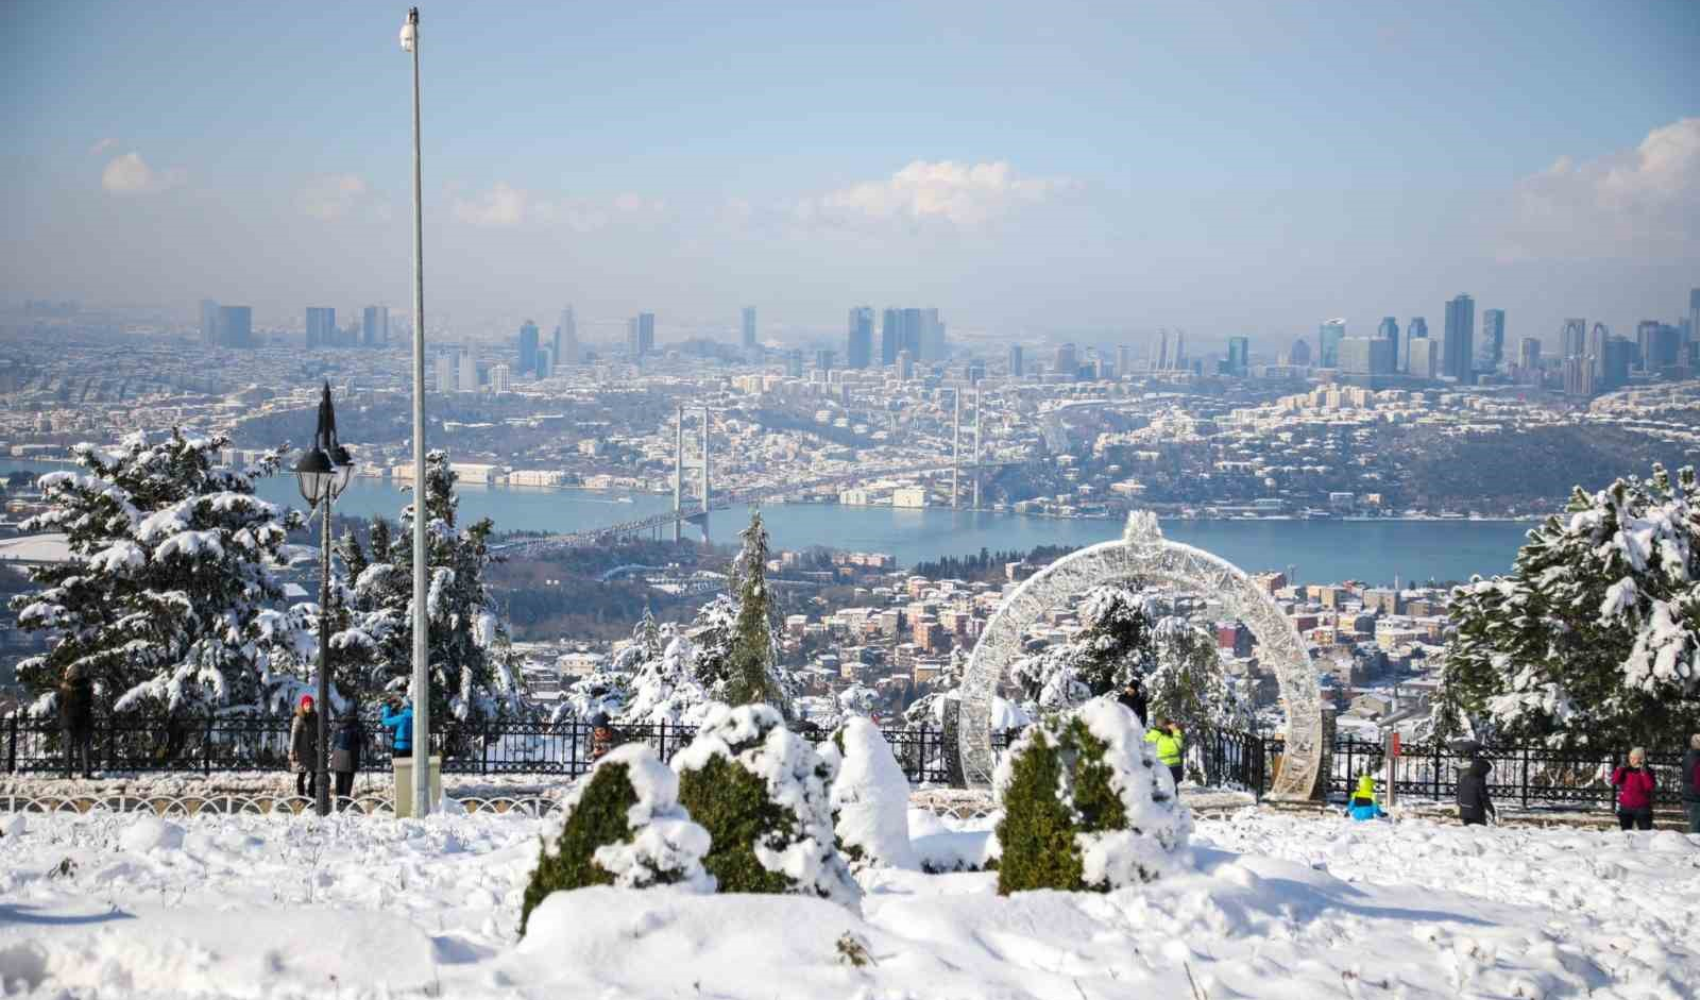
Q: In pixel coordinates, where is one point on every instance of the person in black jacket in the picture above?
(1691, 783)
(1133, 696)
(346, 744)
(76, 718)
(1474, 805)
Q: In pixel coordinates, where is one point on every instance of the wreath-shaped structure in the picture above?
(1142, 553)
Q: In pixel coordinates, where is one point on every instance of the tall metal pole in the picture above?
(421, 620)
(678, 471)
(955, 445)
(705, 488)
(975, 464)
(322, 769)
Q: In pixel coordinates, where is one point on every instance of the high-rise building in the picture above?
(1065, 363)
(500, 379)
(932, 336)
(1366, 356)
(1529, 354)
(1124, 360)
(905, 365)
(1239, 356)
(1693, 314)
(1578, 375)
(1163, 350)
(640, 335)
(1417, 327)
(1597, 338)
(749, 327)
(209, 323)
(1389, 331)
(891, 336)
(321, 327)
(1659, 344)
(794, 363)
(567, 353)
(528, 339)
(466, 373)
(375, 326)
(1328, 339)
(1424, 357)
(236, 326)
(545, 362)
(1456, 358)
(447, 363)
(1015, 361)
(1573, 339)
(1493, 340)
(1611, 367)
(1299, 356)
(823, 360)
(859, 338)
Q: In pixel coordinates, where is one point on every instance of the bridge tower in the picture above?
(955, 446)
(975, 464)
(678, 472)
(705, 467)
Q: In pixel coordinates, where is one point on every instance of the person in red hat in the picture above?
(304, 747)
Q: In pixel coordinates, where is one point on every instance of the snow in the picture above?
(665, 845)
(870, 798)
(1281, 906)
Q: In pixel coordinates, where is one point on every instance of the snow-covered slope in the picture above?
(1279, 907)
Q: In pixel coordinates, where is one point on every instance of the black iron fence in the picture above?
(134, 745)
(1526, 777)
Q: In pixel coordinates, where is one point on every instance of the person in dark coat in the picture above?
(1634, 784)
(1474, 805)
(76, 718)
(304, 748)
(602, 737)
(1133, 696)
(1691, 783)
(346, 744)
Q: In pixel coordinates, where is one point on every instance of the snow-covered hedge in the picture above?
(1086, 805)
(762, 793)
(621, 825)
(870, 797)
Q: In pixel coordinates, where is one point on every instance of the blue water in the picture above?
(1318, 551)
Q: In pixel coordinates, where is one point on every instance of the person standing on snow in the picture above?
(1363, 805)
(1133, 697)
(401, 720)
(346, 744)
(1634, 785)
(1691, 783)
(1474, 805)
(76, 718)
(304, 747)
(1169, 743)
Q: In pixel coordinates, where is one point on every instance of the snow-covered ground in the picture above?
(1277, 906)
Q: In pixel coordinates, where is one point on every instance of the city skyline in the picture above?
(930, 187)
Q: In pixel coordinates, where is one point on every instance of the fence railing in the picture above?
(132, 745)
(1527, 777)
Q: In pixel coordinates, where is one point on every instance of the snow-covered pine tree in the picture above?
(1593, 638)
(1113, 645)
(165, 599)
(1189, 684)
(754, 674)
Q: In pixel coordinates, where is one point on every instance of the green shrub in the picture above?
(732, 805)
(598, 818)
(1083, 805)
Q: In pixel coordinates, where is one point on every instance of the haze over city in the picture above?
(1088, 172)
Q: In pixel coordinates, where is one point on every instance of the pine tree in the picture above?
(166, 600)
(1594, 637)
(753, 672)
(1113, 646)
(1189, 684)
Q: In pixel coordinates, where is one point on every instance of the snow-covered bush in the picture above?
(621, 825)
(664, 688)
(762, 793)
(1189, 684)
(870, 797)
(1113, 646)
(1594, 638)
(1086, 806)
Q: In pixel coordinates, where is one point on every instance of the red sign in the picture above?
(1393, 748)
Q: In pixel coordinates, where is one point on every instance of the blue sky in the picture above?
(1064, 169)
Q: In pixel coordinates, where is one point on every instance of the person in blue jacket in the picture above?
(398, 715)
(1363, 805)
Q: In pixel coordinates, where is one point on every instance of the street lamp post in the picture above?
(421, 621)
(323, 473)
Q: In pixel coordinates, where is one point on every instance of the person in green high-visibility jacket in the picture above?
(1166, 737)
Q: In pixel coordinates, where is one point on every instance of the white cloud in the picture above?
(130, 175)
(332, 196)
(102, 146)
(1641, 203)
(503, 205)
(962, 194)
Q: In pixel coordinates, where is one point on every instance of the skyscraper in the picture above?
(527, 347)
(932, 336)
(1693, 314)
(447, 363)
(1124, 360)
(1456, 358)
(1529, 354)
(859, 338)
(1366, 356)
(749, 327)
(1015, 361)
(1389, 331)
(1239, 356)
(1417, 327)
(567, 352)
(1328, 340)
(1065, 363)
(1423, 359)
(321, 327)
(891, 336)
(209, 322)
(466, 375)
(640, 335)
(235, 326)
(375, 326)
(1299, 356)
(1493, 340)
(1573, 339)
(499, 376)
(1611, 367)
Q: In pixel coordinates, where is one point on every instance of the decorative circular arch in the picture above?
(1143, 553)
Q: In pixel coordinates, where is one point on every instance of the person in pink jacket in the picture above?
(1634, 785)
